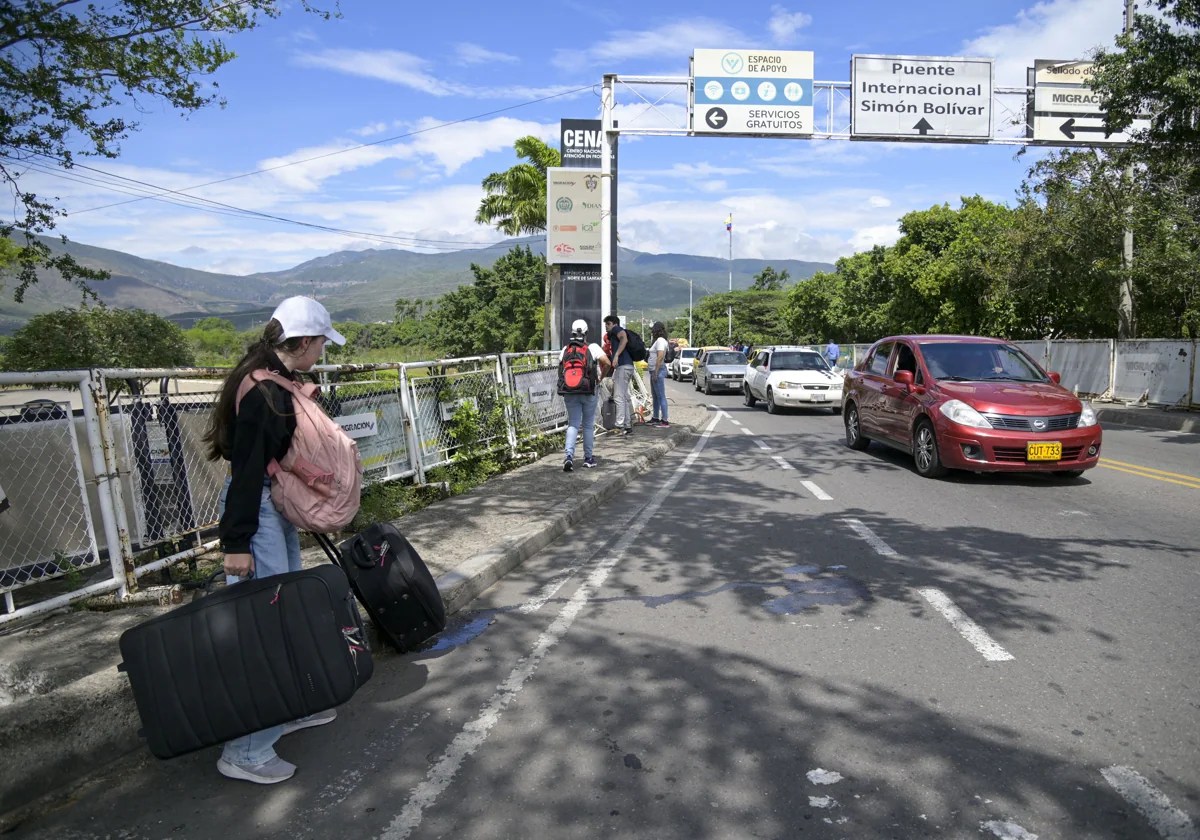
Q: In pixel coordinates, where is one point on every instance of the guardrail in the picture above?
(107, 480)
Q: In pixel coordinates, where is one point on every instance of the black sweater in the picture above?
(260, 432)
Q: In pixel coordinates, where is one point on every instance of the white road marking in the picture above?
(783, 465)
(763, 445)
(1007, 830)
(736, 422)
(817, 491)
(475, 733)
(1168, 821)
(865, 533)
(746, 431)
(967, 628)
(548, 591)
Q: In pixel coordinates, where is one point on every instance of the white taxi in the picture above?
(792, 377)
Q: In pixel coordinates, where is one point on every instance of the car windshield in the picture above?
(798, 361)
(725, 358)
(971, 362)
(685, 353)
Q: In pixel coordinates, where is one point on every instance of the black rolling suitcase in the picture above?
(392, 583)
(253, 655)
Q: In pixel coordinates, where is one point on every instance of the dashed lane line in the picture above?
(783, 464)
(820, 494)
(1170, 822)
(968, 629)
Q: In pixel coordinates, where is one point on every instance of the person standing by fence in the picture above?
(257, 541)
(658, 375)
(622, 373)
(580, 366)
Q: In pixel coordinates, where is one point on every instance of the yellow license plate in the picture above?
(1043, 451)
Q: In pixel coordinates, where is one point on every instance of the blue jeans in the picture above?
(658, 390)
(581, 413)
(276, 549)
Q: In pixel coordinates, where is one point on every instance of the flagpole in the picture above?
(729, 228)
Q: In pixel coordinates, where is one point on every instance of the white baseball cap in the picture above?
(300, 316)
(579, 326)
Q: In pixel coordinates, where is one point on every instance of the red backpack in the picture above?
(318, 483)
(576, 370)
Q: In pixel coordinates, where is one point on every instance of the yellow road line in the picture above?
(1194, 484)
(1149, 469)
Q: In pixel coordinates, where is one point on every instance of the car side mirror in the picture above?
(904, 377)
(1055, 377)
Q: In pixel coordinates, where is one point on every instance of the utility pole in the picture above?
(690, 344)
(1126, 327)
(729, 229)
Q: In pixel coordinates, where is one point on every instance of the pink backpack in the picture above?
(318, 483)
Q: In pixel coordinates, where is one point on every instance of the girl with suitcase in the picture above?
(255, 538)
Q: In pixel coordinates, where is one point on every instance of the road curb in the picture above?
(1148, 418)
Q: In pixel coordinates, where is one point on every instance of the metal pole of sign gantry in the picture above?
(606, 184)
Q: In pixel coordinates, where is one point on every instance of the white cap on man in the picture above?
(579, 327)
(300, 316)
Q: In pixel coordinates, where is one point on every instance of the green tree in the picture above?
(515, 199)
(214, 341)
(758, 318)
(1155, 72)
(69, 339)
(500, 313)
(69, 76)
(768, 280)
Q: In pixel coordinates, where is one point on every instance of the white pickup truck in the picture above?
(792, 377)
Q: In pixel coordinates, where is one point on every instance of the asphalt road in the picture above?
(770, 635)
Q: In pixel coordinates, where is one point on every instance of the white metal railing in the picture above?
(107, 478)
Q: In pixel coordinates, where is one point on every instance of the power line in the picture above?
(354, 148)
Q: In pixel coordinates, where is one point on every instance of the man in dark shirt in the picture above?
(622, 373)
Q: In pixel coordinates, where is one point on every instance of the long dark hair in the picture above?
(259, 355)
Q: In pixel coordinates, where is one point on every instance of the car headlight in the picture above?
(789, 385)
(1087, 417)
(957, 411)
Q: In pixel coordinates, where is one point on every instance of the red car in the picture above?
(967, 403)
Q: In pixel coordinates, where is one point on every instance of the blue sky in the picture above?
(441, 91)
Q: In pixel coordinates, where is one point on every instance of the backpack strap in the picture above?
(255, 377)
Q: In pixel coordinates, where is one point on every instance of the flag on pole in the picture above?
(729, 222)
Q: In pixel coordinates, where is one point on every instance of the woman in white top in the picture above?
(658, 375)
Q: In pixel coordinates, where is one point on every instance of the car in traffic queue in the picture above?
(967, 403)
(791, 377)
(681, 366)
(718, 369)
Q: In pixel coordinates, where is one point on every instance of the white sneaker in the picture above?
(315, 719)
(267, 773)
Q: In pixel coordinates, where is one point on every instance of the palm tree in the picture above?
(516, 198)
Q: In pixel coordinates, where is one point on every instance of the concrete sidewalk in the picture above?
(65, 709)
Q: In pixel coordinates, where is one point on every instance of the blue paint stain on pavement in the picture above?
(469, 627)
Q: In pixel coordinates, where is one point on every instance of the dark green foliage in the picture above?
(500, 313)
(97, 337)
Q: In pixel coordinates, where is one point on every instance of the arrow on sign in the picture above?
(923, 126)
(716, 118)
(1070, 129)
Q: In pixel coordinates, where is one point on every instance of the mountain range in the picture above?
(362, 285)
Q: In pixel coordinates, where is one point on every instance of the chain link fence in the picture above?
(109, 468)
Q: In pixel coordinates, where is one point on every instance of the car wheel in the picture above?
(708, 387)
(1068, 475)
(925, 451)
(747, 397)
(695, 384)
(772, 408)
(854, 436)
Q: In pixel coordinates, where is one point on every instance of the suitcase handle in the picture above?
(362, 559)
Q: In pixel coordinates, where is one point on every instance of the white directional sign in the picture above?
(924, 97)
(752, 92)
(1068, 112)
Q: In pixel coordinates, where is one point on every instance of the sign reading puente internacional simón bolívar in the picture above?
(920, 97)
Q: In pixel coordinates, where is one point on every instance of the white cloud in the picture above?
(879, 201)
(1055, 29)
(452, 146)
(411, 71)
(307, 169)
(674, 40)
(784, 24)
(371, 130)
(475, 54)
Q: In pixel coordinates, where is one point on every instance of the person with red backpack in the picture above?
(255, 435)
(579, 374)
